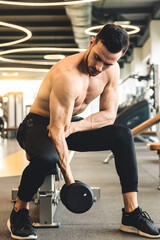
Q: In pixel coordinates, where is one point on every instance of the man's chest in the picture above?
(90, 92)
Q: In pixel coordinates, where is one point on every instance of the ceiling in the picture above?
(63, 27)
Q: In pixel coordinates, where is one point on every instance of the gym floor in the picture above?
(102, 221)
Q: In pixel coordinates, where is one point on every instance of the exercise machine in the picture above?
(139, 108)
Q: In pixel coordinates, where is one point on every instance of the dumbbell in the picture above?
(77, 197)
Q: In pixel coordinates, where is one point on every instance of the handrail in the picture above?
(153, 146)
(146, 124)
(10, 128)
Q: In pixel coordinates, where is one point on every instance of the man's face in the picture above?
(99, 58)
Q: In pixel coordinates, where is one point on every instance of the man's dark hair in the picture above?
(114, 37)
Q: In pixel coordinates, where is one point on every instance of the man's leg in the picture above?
(130, 201)
(19, 203)
(43, 157)
(119, 140)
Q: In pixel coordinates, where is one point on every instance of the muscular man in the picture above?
(49, 130)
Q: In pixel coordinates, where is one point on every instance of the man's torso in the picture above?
(89, 87)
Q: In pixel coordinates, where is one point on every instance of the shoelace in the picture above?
(145, 215)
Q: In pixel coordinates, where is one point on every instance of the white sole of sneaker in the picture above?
(131, 229)
(17, 237)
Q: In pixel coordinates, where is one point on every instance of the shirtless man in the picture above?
(49, 130)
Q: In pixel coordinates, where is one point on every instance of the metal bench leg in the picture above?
(48, 201)
(109, 158)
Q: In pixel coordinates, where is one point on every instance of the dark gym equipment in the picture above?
(136, 110)
(134, 115)
(77, 197)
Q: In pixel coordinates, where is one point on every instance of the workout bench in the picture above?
(155, 147)
(48, 196)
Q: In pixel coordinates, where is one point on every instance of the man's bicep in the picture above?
(61, 109)
(109, 99)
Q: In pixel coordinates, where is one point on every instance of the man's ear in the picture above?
(123, 54)
(91, 42)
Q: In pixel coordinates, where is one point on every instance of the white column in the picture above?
(155, 41)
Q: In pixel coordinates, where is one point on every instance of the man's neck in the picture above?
(83, 63)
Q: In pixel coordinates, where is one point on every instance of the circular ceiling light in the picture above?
(26, 62)
(23, 69)
(42, 49)
(90, 30)
(11, 74)
(33, 4)
(29, 34)
(134, 30)
(38, 50)
(54, 57)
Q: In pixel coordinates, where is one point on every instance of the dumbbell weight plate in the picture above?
(63, 192)
(79, 197)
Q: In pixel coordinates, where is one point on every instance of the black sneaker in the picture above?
(20, 226)
(139, 222)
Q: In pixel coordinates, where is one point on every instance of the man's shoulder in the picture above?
(112, 75)
(68, 65)
(114, 68)
(66, 79)
(113, 71)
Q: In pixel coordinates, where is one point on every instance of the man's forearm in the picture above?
(94, 121)
(62, 150)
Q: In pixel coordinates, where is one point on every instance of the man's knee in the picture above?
(123, 134)
(43, 160)
(49, 161)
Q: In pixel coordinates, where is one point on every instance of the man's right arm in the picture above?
(62, 99)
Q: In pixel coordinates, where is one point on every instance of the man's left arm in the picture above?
(108, 107)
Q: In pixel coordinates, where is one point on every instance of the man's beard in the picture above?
(92, 71)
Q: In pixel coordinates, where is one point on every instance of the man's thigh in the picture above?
(37, 143)
(94, 140)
